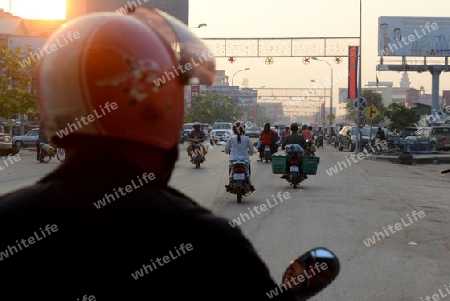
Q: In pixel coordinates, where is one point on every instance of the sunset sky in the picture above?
(292, 19)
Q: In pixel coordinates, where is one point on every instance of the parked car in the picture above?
(438, 137)
(253, 132)
(347, 137)
(408, 131)
(27, 140)
(6, 146)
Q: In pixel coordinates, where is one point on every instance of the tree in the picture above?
(213, 107)
(17, 96)
(372, 99)
(400, 116)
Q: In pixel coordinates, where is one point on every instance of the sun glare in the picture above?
(39, 9)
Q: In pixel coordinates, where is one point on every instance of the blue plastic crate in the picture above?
(278, 164)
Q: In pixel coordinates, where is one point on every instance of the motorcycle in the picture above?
(294, 156)
(239, 184)
(329, 139)
(336, 141)
(183, 137)
(319, 142)
(266, 152)
(308, 151)
(198, 155)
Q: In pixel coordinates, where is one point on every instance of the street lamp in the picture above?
(331, 92)
(232, 79)
(324, 93)
(199, 25)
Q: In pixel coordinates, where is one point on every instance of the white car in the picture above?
(220, 135)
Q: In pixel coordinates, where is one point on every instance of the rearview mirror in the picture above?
(311, 273)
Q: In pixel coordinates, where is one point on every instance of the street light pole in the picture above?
(232, 79)
(331, 92)
(320, 111)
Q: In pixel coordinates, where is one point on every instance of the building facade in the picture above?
(176, 8)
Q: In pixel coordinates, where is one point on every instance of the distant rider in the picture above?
(266, 138)
(320, 136)
(42, 137)
(294, 138)
(306, 133)
(196, 134)
(241, 146)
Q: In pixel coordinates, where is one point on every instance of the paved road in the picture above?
(339, 212)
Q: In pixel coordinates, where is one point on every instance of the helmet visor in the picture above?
(194, 56)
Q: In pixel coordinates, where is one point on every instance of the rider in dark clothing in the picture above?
(381, 134)
(105, 223)
(293, 138)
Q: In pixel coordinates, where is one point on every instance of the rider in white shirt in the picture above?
(239, 147)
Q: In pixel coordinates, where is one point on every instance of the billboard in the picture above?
(413, 36)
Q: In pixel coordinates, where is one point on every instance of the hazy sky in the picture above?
(294, 19)
(309, 18)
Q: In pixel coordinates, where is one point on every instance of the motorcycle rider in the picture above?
(267, 137)
(293, 138)
(93, 244)
(306, 133)
(42, 137)
(320, 137)
(239, 145)
(196, 134)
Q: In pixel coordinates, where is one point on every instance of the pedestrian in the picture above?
(42, 138)
(105, 222)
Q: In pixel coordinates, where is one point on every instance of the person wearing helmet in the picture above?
(293, 138)
(196, 134)
(268, 137)
(106, 223)
(306, 133)
(241, 146)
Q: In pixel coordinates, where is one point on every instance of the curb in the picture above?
(417, 159)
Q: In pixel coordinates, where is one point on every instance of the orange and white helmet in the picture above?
(121, 77)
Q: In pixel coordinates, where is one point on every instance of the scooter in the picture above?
(239, 184)
(294, 156)
(198, 155)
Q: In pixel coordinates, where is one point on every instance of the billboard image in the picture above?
(413, 36)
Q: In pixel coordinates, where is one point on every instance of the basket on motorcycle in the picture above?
(278, 164)
(310, 165)
(48, 149)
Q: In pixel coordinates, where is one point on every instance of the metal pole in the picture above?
(358, 130)
(331, 98)
(435, 93)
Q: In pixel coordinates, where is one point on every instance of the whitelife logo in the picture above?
(11, 250)
(90, 118)
(49, 49)
(166, 259)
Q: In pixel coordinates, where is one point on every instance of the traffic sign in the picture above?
(371, 112)
(331, 117)
(360, 104)
(361, 121)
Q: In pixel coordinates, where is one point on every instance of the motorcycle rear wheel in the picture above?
(239, 194)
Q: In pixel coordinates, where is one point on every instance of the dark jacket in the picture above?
(197, 134)
(381, 135)
(96, 249)
(294, 138)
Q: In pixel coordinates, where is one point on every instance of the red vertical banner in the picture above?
(352, 72)
(255, 113)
